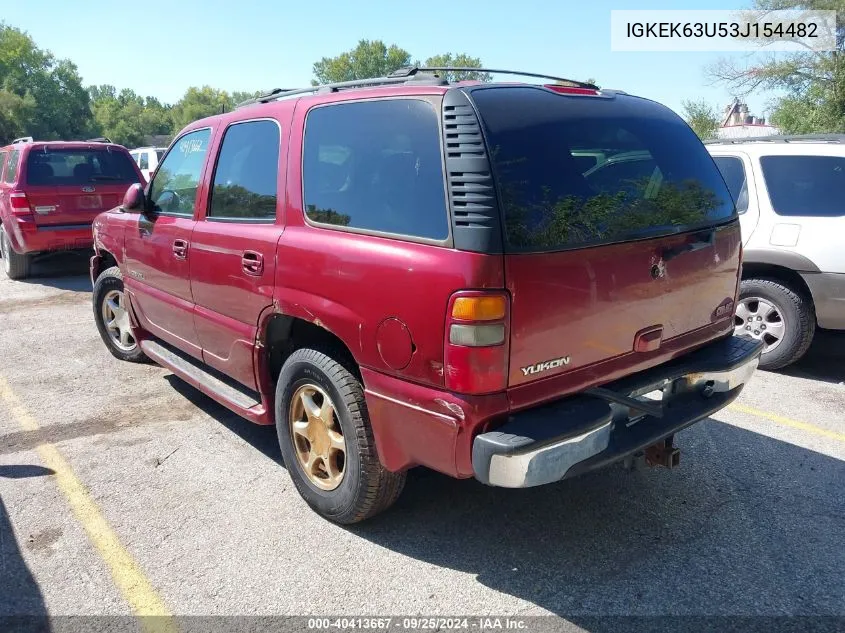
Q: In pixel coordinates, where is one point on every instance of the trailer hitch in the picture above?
(664, 453)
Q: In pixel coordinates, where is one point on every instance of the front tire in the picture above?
(783, 319)
(112, 317)
(15, 265)
(326, 440)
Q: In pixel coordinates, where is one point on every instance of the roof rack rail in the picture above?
(405, 75)
(411, 70)
(23, 139)
(99, 139)
(780, 138)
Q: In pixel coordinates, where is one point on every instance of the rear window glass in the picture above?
(734, 174)
(71, 167)
(805, 185)
(651, 175)
(376, 165)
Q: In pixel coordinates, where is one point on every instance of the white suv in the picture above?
(147, 159)
(790, 193)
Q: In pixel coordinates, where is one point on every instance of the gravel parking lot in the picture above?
(124, 489)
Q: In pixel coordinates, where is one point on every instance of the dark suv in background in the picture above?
(403, 272)
(50, 192)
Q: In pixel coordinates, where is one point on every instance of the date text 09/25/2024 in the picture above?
(417, 623)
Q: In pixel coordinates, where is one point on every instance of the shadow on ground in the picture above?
(22, 606)
(65, 271)
(824, 361)
(747, 525)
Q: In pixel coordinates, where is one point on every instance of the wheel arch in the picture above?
(787, 276)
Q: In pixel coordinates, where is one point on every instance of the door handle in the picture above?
(180, 249)
(252, 263)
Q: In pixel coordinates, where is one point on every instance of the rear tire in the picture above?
(364, 488)
(112, 319)
(15, 265)
(793, 311)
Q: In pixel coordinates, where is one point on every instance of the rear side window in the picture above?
(656, 178)
(12, 167)
(2, 162)
(143, 161)
(733, 172)
(376, 165)
(174, 187)
(805, 185)
(247, 173)
(57, 167)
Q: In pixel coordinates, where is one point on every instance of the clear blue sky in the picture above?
(160, 48)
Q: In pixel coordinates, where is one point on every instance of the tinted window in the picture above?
(174, 187)
(656, 179)
(160, 153)
(57, 167)
(12, 167)
(806, 185)
(376, 165)
(733, 172)
(247, 171)
(144, 161)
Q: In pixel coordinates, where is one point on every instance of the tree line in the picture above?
(44, 97)
(811, 84)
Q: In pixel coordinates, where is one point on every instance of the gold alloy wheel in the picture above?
(317, 438)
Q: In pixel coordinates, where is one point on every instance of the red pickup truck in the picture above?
(402, 272)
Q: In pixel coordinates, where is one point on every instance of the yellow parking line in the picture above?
(795, 424)
(127, 574)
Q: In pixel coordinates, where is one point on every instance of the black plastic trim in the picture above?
(472, 197)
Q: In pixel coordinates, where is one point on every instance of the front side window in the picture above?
(247, 173)
(12, 167)
(652, 176)
(174, 188)
(805, 185)
(376, 165)
(733, 172)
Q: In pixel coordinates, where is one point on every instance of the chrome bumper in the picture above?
(587, 431)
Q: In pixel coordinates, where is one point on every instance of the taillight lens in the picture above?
(477, 342)
(20, 203)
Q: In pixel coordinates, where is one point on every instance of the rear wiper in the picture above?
(702, 240)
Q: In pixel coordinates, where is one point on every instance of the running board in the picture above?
(214, 384)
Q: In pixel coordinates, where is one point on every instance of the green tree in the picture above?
(126, 117)
(199, 103)
(701, 117)
(370, 58)
(813, 81)
(52, 103)
(461, 60)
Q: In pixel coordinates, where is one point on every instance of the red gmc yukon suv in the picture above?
(513, 282)
(50, 192)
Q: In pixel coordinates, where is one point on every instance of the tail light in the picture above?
(22, 211)
(20, 203)
(477, 342)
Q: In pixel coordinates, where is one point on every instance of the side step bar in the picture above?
(215, 385)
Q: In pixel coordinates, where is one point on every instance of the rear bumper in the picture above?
(578, 434)
(828, 290)
(28, 237)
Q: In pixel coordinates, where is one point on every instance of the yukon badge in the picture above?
(545, 366)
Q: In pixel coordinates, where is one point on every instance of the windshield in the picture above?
(580, 171)
(63, 167)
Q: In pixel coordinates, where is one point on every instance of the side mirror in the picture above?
(134, 199)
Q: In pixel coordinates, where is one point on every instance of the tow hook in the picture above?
(663, 453)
